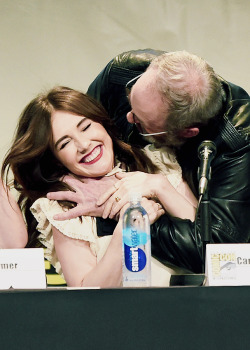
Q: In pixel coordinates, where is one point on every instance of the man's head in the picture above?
(177, 95)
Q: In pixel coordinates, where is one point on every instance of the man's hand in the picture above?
(87, 192)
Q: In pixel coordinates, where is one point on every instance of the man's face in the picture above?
(148, 112)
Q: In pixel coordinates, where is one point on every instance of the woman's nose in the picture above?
(82, 145)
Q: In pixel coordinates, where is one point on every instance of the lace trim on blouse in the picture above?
(44, 209)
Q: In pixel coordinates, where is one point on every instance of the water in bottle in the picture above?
(136, 245)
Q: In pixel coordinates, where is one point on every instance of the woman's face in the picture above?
(84, 147)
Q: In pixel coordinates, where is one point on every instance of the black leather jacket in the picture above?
(175, 241)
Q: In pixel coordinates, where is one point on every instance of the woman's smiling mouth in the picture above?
(93, 157)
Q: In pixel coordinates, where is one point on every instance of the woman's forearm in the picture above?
(178, 202)
(108, 271)
(13, 232)
(79, 263)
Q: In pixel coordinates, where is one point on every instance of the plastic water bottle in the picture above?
(136, 245)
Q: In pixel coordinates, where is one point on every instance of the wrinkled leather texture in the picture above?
(175, 241)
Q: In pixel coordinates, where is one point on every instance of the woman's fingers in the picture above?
(123, 175)
(153, 209)
(113, 206)
(117, 196)
(107, 194)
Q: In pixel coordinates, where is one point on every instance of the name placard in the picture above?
(22, 268)
(228, 264)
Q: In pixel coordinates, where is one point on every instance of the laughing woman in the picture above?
(66, 132)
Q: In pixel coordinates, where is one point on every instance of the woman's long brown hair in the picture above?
(35, 168)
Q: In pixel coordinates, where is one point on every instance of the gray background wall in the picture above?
(48, 42)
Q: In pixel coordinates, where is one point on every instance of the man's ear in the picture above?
(189, 132)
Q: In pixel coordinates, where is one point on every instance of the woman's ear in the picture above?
(189, 132)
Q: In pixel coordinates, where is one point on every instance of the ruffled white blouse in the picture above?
(44, 209)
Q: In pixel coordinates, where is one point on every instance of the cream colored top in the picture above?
(44, 209)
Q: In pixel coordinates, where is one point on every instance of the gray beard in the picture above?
(172, 141)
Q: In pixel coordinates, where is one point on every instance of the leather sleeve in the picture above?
(120, 70)
(175, 242)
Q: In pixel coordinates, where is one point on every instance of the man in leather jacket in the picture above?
(176, 241)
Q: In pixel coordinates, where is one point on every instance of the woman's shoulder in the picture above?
(44, 210)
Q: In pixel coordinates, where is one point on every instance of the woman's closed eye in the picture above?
(64, 144)
(64, 141)
(86, 127)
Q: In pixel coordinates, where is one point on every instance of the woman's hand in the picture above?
(153, 209)
(117, 196)
(178, 202)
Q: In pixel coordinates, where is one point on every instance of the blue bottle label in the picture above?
(135, 258)
(133, 238)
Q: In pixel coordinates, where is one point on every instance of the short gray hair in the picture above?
(189, 86)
